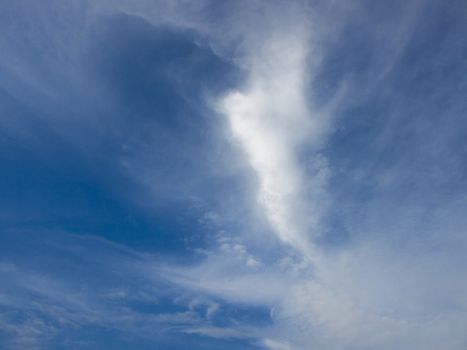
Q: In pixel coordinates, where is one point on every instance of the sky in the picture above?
(248, 174)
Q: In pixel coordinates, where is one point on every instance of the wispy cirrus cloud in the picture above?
(320, 186)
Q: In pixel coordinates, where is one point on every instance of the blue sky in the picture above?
(233, 175)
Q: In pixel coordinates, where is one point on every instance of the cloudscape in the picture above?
(239, 174)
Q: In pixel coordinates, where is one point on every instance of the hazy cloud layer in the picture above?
(244, 174)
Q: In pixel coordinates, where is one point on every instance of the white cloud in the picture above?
(368, 296)
(274, 345)
(270, 119)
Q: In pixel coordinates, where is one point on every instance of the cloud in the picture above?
(274, 345)
(368, 295)
(271, 119)
(41, 308)
(337, 117)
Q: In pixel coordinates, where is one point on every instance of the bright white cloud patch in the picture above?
(270, 118)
